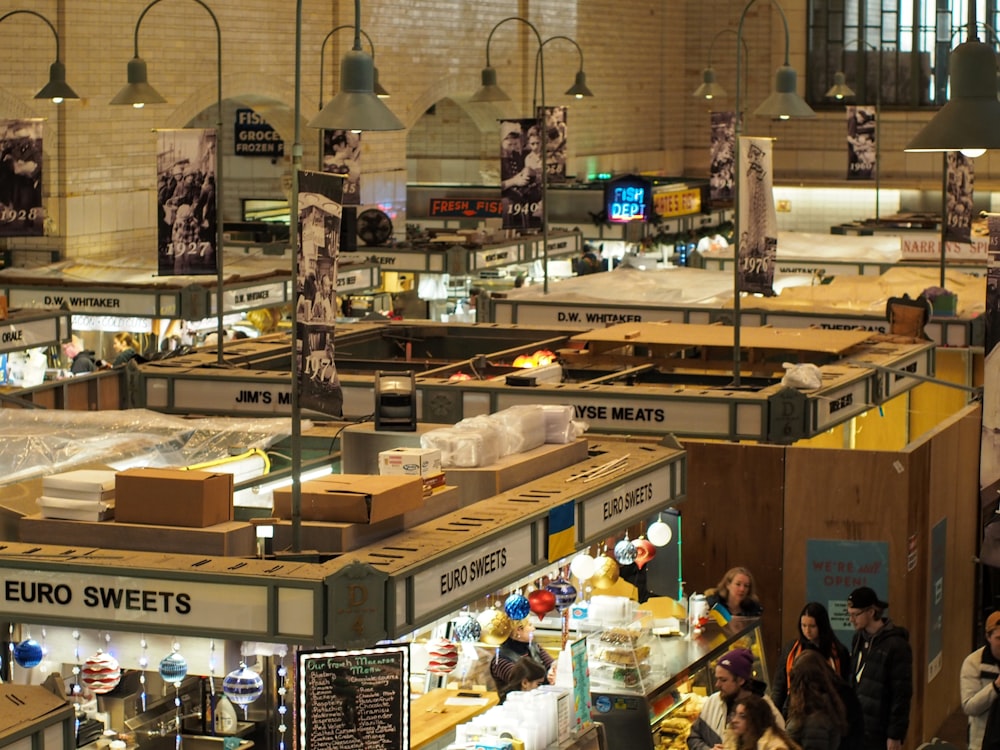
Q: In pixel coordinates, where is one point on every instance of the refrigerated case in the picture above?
(646, 689)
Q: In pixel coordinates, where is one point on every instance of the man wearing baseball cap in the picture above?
(979, 682)
(734, 681)
(882, 670)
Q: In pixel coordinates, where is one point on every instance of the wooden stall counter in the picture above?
(437, 713)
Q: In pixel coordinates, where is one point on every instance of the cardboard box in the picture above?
(230, 538)
(353, 498)
(173, 497)
(27, 708)
(516, 469)
(81, 484)
(419, 462)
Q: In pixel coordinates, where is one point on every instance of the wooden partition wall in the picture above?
(759, 506)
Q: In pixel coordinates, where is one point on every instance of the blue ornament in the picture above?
(467, 628)
(243, 686)
(28, 653)
(564, 592)
(517, 607)
(173, 668)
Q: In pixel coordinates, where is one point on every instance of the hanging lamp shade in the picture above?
(709, 89)
(839, 89)
(971, 118)
(579, 88)
(57, 89)
(490, 92)
(356, 107)
(380, 92)
(137, 91)
(784, 102)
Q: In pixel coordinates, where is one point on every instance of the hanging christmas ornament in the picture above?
(659, 533)
(101, 673)
(173, 668)
(605, 573)
(467, 628)
(242, 687)
(582, 566)
(625, 551)
(28, 653)
(542, 602)
(645, 551)
(496, 626)
(564, 593)
(442, 656)
(517, 606)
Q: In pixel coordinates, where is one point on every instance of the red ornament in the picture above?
(645, 551)
(442, 656)
(542, 602)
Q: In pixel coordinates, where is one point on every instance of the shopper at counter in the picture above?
(980, 682)
(736, 593)
(882, 663)
(755, 727)
(815, 633)
(734, 682)
(525, 675)
(81, 360)
(126, 348)
(517, 645)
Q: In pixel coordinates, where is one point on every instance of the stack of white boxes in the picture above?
(418, 462)
(81, 495)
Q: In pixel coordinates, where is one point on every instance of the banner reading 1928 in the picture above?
(21, 211)
(354, 700)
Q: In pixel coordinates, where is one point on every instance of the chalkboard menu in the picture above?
(354, 700)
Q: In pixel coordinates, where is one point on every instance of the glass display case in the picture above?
(647, 689)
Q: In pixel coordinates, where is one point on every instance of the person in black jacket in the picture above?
(882, 664)
(815, 633)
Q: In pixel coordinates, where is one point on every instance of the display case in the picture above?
(649, 703)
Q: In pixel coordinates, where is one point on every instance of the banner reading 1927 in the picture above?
(354, 700)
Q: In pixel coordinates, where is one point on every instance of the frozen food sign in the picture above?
(254, 137)
(628, 199)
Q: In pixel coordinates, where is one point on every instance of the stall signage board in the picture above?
(635, 497)
(233, 396)
(466, 208)
(253, 136)
(927, 246)
(394, 261)
(628, 198)
(457, 580)
(251, 297)
(91, 301)
(875, 325)
(18, 336)
(184, 606)
(583, 317)
(834, 407)
(497, 256)
(356, 279)
(677, 202)
(354, 700)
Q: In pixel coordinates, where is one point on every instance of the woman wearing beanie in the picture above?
(734, 682)
(980, 682)
(754, 727)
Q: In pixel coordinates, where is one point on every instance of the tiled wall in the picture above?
(643, 60)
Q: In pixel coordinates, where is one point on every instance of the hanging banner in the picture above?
(959, 179)
(186, 230)
(723, 146)
(521, 167)
(758, 240)
(861, 143)
(320, 214)
(342, 155)
(21, 211)
(555, 141)
(989, 446)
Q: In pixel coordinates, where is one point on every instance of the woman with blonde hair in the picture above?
(126, 348)
(736, 593)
